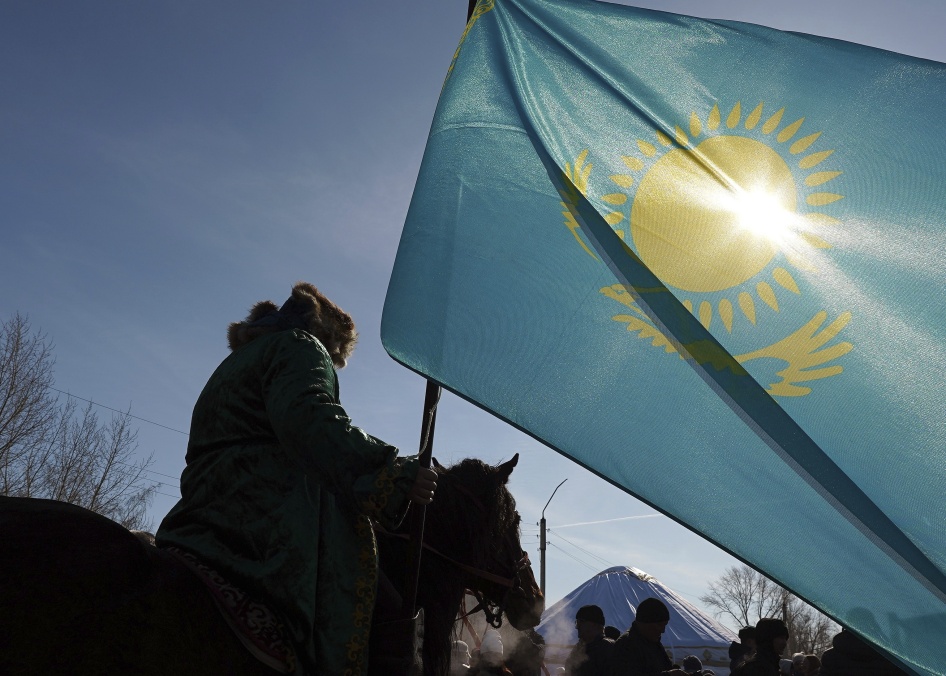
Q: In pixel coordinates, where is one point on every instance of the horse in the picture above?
(80, 594)
(471, 542)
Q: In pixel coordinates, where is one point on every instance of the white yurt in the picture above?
(618, 591)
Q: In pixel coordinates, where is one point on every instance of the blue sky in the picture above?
(163, 166)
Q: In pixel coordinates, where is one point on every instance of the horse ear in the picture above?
(437, 465)
(505, 469)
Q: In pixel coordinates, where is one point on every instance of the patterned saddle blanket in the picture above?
(254, 623)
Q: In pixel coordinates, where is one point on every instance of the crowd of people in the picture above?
(603, 650)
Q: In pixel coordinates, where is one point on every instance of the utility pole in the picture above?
(542, 540)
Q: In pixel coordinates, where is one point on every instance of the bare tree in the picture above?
(27, 409)
(746, 596)
(49, 449)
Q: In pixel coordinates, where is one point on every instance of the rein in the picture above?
(478, 572)
(491, 610)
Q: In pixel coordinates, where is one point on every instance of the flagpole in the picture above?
(431, 399)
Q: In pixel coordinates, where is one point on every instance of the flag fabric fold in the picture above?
(701, 258)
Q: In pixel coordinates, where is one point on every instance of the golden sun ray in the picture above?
(814, 159)
(820, 178)
(706, 314)
(734, 115)
(814, 240)
(680, 137)
(767, 295)
(785, 280)
(663, 139)
(819, 199)
(695, 127)
(713, 120)
(773, 122)
(747, 305)
(646, 148)
(802, 144)
(725, 313)
(753, 119)
(789, 131)
(615, 198)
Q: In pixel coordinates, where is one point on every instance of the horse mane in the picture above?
(456, 526)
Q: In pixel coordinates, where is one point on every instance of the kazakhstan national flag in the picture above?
(703, 259)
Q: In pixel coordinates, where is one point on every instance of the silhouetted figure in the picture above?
(639, 651)
(280, 488)
(527, 655)
(849, 654)
(592, 655)
(771, 637)
(612, 632)
(460, 659)
(811, 665)
(744, 649)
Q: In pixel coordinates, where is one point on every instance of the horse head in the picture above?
(499, 572)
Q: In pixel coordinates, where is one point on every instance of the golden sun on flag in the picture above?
(710, 215)
(719, 213)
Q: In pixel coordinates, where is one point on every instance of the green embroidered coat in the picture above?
(278, 490)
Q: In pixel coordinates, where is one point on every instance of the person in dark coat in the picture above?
(744, 649)
(280, 489)
(639, 651)
(771, 637)
(851, 655)
(591, 656)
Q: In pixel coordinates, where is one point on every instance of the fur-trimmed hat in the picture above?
(305, 309)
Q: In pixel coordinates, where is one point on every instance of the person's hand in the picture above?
(422, 492)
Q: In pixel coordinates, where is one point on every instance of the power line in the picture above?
(571, 556)
(150, 471)
(121, 412)
(582, 549)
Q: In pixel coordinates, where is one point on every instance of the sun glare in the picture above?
(763, 214)
(715, 209)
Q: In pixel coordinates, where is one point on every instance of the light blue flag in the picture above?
(703, 260)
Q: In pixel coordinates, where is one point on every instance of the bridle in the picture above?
(518, 561)
(515, 561)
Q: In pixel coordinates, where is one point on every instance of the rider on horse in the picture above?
(280, 488)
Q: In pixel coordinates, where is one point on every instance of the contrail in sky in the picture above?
(620, 518)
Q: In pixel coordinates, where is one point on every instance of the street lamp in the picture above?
(542, 540)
